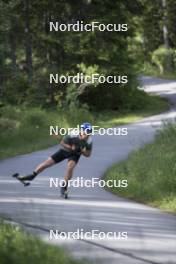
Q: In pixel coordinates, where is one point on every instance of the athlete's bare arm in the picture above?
(67, 146)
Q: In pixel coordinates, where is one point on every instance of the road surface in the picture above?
(151, 232)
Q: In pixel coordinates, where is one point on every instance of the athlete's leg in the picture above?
(68, 175)
(69, 171)
(46, 164)
(41, 167)
(72, 161)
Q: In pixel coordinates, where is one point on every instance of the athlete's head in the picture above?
(86, 129)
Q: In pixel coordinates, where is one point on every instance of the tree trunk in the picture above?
(28, 41)
(166, 35)
(12, 40)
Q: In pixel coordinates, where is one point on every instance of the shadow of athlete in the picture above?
(71, 147)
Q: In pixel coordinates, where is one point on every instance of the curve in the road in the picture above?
(151, 233)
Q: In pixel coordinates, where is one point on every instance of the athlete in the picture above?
(71, 148)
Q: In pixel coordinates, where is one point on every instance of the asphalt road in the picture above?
(151, 233)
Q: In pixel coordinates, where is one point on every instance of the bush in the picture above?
(11, 112)
(8, 125)
(78, 115)
(18, 247)
(35, 117)
(16, 89)
(163, 58)
(113, 97)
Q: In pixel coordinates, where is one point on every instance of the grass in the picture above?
(151, 70)
(150, 172)
(23, 130)
(18, 247)
(155, 105)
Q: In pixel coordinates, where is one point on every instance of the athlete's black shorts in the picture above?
(62, 154)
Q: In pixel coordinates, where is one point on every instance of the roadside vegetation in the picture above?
(26, 129)
(18, 247)
(152, 70)
(150, 172)
(29, 102)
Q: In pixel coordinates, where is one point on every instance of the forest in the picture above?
(30, 51)
(45, 41)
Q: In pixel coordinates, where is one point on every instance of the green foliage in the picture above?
(25, 65)
(25, 129)
(171, 21)
(150, 69)
(8, 125)
(71, 98)
(88, 70)
(35, 117)
(161, 56)
(18, 247)
(60, 52)
(16, 89)
(112, 97)
(76, 115)
(155, 29)
(150, 172)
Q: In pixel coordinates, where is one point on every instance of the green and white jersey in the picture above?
(73, 139)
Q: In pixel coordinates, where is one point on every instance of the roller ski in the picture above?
(20, 179)
(25, 180)
(64, 192)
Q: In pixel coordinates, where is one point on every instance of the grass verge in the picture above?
(23, 130)
(151, 70)
(150, 172)
(18, 247)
